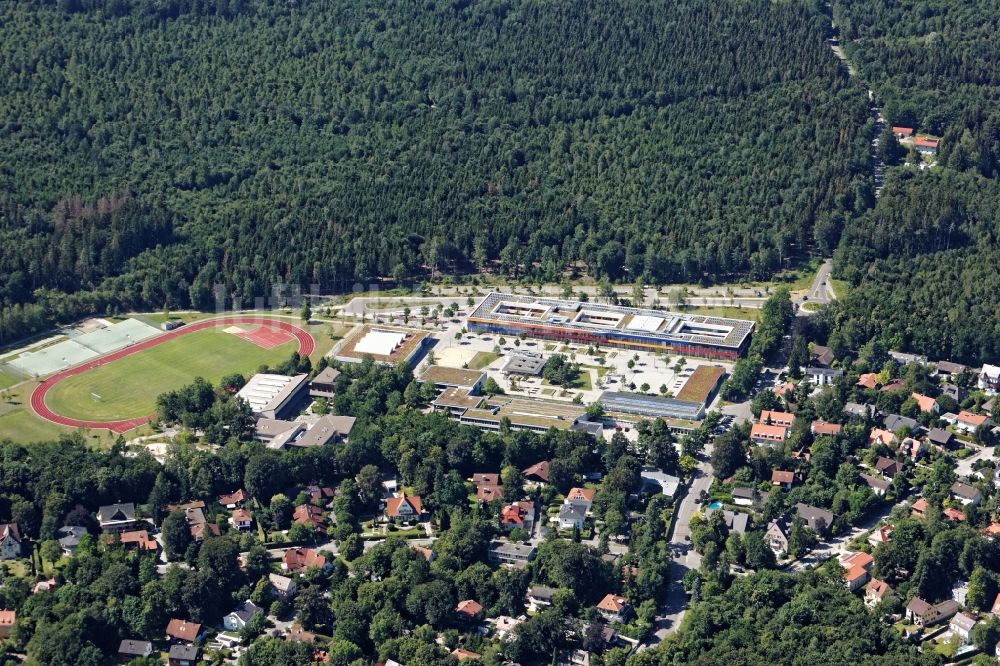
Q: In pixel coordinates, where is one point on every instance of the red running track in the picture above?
(306, 347)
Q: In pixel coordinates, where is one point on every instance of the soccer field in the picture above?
(127, 387)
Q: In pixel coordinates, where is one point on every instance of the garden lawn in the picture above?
(128, 387)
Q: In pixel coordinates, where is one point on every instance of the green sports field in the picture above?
(128, 386)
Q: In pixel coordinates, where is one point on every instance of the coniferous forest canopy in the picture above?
(150, 150)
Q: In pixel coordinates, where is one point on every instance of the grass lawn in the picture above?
(7, 380)
(19, 424)
(839, 287)
(128, 387)
(481, 360)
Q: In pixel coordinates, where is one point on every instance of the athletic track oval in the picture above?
(306, 346)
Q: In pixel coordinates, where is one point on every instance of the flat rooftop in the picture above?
(702, 382)
(651, 405)
(620, 322)
(386, 344)
(439, 374)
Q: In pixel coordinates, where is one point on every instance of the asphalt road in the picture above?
(685, 558)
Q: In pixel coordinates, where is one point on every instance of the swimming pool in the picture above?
(715, 504)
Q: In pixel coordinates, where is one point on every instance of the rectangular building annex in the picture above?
(612, 325)
(384, 344)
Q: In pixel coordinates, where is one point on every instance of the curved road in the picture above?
(306, 347)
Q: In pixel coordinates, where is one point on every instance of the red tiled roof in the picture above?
(183, 630)
(581, 494)
(393, 503)
(771, 417)
(926, 142)
(775, 433)
(825, 428)
(309, 515)
(925, 402)
(613, 603)
(905, 131)
(235, 497)
(7, 617)
(954, 514)
(302, 558)
(469, 607)
(462, 654)
(972, 419)
(140, 539)
(539, 469)
(781, 476)
(241, 516)
(868, 380)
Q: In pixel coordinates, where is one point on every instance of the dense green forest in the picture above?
(933, 63)
(331, 143)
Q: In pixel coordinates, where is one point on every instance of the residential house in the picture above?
(182, 631)
(468, 610)
(234, 499)
(505, 625)
(881, 535)
(404, 509)
(571, 516)
(991, 531)
(69, 537)
(857, 570)
(902, 132)
(785, 391)
(770, 417)
(949, 368)
(969, 422)
(821, 427)
(895, 423)
(821, 376)
(320, 495)
(130, 649)
(893, 385)
(582, 497)
(876, 591)
(926, 145)
(518, 515)
(783, 479)
(953, 515)
(955, 392)
(298, 559)
(488, 487)
(821, 355)
(200, 527)
(427, 553)
(539, 597)
(614, 608)
(940, 437)
(748, 497)
(995, 610)
(283, 587)
(462, 654)
(966, 494)
(989, 379)
(309, 515)
(736, 521)
(869, 380)
(537, 473)
(777, 534)
(240, 616)
(911, 448)
(10, 541)
(920, 508)
(762, 433)
(321, 385)
(878, 485)
(818, 520)
(926, 403)
(883, 437)
(961, 625)
(515, 554)
(183, 655)
(924, 614)
(116, 517)
(888, 467)
(241, 519)
(135, 539)
(7, 620)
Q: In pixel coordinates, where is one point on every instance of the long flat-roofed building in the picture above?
(270, 396)
(651, 406)
(385, 344)
(612, 325)
(445, 378)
